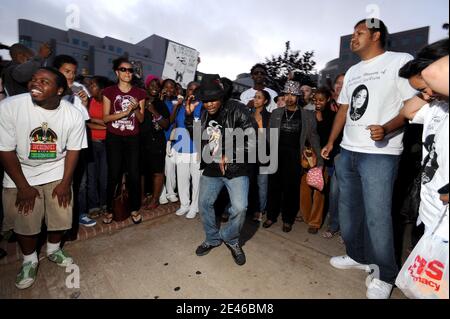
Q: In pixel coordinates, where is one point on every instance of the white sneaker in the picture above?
(172, 198)
(379, 289)
(345, 262)
(191, 215)
(163, 200)
(181, 211)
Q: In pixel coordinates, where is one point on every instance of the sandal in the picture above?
(108, 219)
(299, 219)
(136, 217)
(151, 205)
(257, 217)
(330, 234)
(268, 223)
(287, 227)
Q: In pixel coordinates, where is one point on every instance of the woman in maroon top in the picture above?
(123, 111)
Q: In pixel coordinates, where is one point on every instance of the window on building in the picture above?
(85, 57)
(405, 41)
(85, 44)
(75, 41)
(420, 39)
(26, 40)
(344, 57)
(119, 50)
(111, 48)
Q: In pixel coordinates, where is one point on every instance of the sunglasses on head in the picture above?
(130, 70)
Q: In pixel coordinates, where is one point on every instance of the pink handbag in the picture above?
(314, 178)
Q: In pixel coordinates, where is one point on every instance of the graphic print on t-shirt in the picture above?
(359, 102)
(121, 104)
(430, 163)
(215, 136)
(43, 143)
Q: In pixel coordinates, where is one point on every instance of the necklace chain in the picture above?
(290, 118)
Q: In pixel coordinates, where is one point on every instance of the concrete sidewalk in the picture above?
(157, 260)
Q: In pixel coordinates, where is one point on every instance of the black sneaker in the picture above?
(204, 249)
(238, 254)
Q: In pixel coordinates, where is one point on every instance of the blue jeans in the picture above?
(366, 183)
(263, 184)
(210, 188)
(97, 171)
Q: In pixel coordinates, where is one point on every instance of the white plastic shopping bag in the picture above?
(425, 273)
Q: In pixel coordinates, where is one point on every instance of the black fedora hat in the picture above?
(211, 88)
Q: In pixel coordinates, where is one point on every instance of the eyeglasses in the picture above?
(130, 70)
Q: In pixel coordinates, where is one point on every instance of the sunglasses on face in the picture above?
(129, 70)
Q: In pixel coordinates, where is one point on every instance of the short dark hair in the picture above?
(376, 25)
(117, 62)
(102, 82)
(193, 83)
(61, 80)
(63, 59)
(258, 66)
(413, 67)
(17, 49)
(324, 91)
(425, 57)
(168, 80)
(435, 51)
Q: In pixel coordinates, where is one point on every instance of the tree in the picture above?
(278, 68)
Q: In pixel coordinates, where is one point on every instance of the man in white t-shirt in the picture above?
(430, 109)
(372, 93)
(40, 140)
(259, 76)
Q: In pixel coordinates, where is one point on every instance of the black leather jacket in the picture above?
(232, 115)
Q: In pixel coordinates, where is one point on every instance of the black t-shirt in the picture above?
(324, 127)
(290, 130)
(9, 84)
(152, 134)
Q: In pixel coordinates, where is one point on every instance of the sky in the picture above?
(232, 35)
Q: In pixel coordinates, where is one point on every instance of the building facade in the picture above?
(95, 55)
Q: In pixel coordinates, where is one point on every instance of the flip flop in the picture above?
(136, 218)
(108, 219)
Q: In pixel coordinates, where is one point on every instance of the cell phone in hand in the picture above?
(76, 89)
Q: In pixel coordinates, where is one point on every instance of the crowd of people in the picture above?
(330, 155)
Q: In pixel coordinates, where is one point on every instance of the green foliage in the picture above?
(279, 67)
